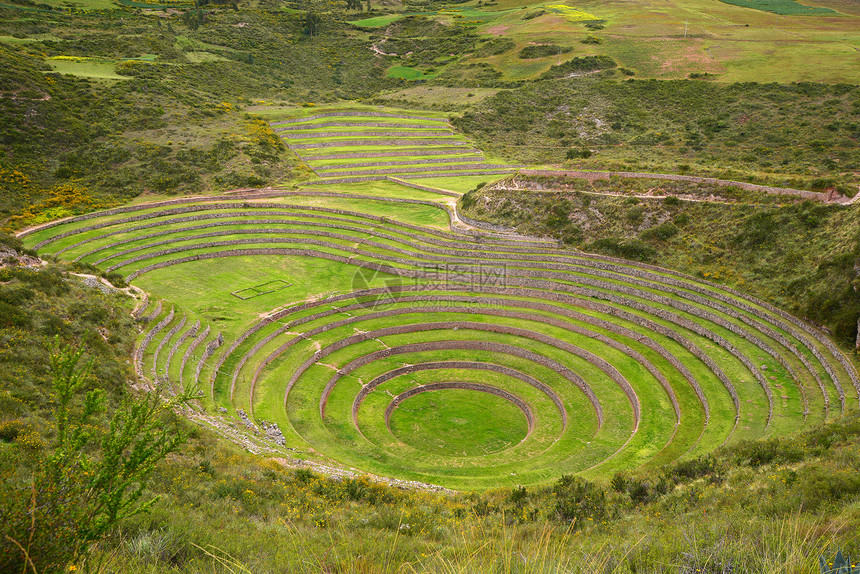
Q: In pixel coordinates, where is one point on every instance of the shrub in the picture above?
(581, 64)
(519, 495)
(758, 230)
(694, 468)
(822, 486)
(91, 478)
(758, 453)
(619, 482)
(634, 249)
(577, 153)
(579, 501)
(543, 50)
(660, 232)
(681, 219)
(468, 199)
(635, 214)
(533, 14)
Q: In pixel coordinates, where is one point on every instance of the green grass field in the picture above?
(102, 70)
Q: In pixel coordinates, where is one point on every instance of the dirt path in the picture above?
(772, 190)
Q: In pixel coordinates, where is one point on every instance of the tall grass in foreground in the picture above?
(707, 544)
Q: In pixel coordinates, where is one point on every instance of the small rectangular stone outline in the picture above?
(257, 289)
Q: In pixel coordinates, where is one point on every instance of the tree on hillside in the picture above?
(92, 474)
(353, 5)
(311, 23)
(194, 18)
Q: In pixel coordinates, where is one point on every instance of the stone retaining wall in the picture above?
(297, 127)
(166, 339)
(379, 142)
(482, 309)
(452, 169)
(141, 306)
(423, 187)
(483, 224)
(393, 153)
(399, 133)
(155, 313)
(147, 339)
(691, 325)
(191, 348)
(521, 404)
(182, 338)
(432, 160)
(141, 207)
(463, 365)
(695, 327)
(672, 303)
(233, 205)
(444, 345)
(210, 348)
(591, 176)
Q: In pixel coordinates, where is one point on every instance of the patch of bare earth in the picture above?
(498, 30)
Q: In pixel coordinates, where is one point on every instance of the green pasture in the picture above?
(205, 289)
(83, 4)
(439, 95)
(97, 69)
(386, 189)
(458, 422)
(376, 21)
(781, 7)
(394, 122)
(676, 39)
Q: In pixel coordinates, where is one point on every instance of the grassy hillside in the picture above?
(801, 134)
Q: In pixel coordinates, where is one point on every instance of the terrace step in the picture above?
(438, 160)
(400, 132)
(164, 341)
(187, 334)
(452, 169)
(380, 142)
(424, 187)
(393, 153)
(356, 114)
(349, 124)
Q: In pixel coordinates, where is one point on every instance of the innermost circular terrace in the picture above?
(459, 419)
